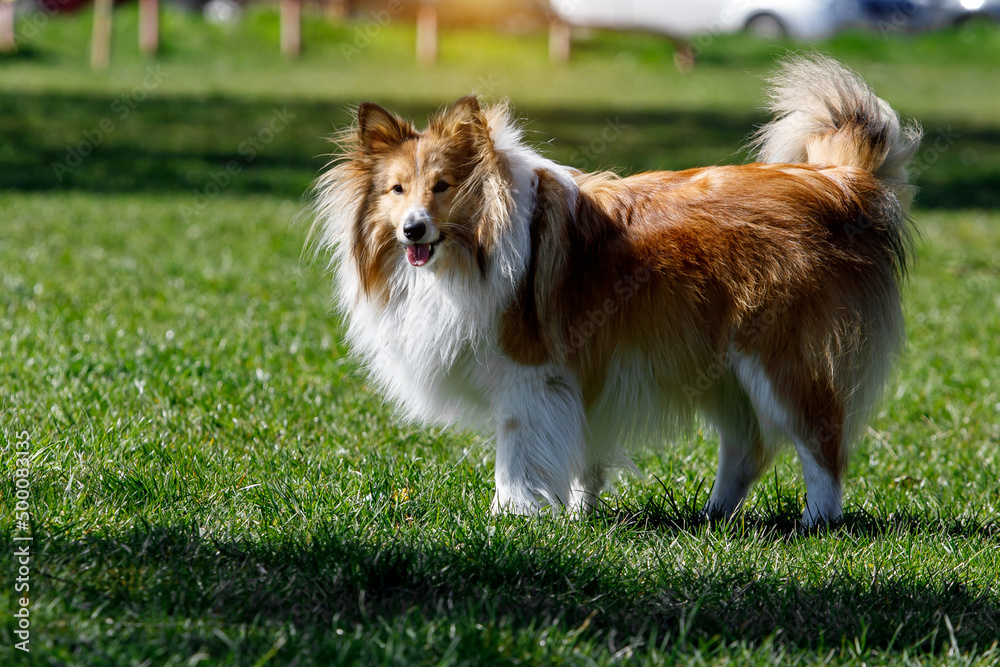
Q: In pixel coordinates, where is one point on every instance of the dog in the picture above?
(577, 315)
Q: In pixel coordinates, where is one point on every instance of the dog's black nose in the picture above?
(414, 230)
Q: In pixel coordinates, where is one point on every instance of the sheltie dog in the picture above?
(579, 315)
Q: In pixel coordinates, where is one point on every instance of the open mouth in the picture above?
(419, 254)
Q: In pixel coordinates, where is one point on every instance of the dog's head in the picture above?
(424, 193)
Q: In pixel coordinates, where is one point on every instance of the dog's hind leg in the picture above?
(821, 442)
(811, 414)
(743, 453)
(824, 497)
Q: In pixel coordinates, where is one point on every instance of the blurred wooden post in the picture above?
(100, 40)
(427, 39)
(684, 56)
(336, 10)
(559, 41)
(149, 26)
(291, 27)
(8, 41)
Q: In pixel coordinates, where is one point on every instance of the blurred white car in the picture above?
(801, 19)
(887, 16)
(982, 8)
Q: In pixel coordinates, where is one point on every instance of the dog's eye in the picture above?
(398, 189)
(440, 187)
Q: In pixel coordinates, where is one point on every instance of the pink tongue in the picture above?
(417, 255)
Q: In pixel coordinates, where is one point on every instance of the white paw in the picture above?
(519, 505)
(816, 517)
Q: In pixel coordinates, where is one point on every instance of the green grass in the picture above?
(214, 481)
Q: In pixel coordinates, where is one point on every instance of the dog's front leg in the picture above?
(539, 419)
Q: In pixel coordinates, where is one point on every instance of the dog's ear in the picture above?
(464, 116)
(463, 109)
(379, 130)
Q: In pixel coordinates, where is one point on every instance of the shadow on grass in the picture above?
(140, 143)
(24, 52)
(781, 522)
(337, 579)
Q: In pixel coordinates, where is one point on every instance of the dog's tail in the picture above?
(826, 114)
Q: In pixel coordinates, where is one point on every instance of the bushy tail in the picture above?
(826, 114)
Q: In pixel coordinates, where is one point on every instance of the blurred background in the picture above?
(159, 95)
(178, 365)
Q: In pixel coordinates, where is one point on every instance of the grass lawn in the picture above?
(212, 480)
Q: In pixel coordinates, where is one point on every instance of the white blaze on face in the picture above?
(418, 234)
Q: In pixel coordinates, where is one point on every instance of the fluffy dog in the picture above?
(578, 315)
